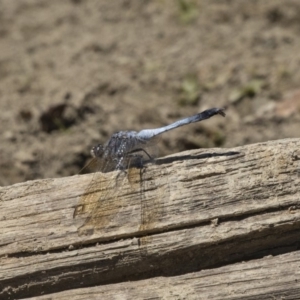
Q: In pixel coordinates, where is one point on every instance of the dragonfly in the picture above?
(126, 152)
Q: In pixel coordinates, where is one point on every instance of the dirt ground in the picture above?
(73, 72)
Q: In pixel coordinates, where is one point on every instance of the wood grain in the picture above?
(267, 278)
(237, 204)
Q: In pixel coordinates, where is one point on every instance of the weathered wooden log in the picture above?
(268, 278)
(196, 210)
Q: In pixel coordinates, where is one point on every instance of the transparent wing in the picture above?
(91, 210)
(154, 190)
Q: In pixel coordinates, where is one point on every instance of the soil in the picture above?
(74, 72)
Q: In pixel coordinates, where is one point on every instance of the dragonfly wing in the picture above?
(154, 190)
(101, 201)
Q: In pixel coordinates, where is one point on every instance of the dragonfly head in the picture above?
(97, 151)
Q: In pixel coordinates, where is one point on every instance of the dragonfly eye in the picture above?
(97, 151)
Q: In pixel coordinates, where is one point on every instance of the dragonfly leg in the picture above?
(143, 150)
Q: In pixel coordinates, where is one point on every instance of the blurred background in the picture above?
(73, 72)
